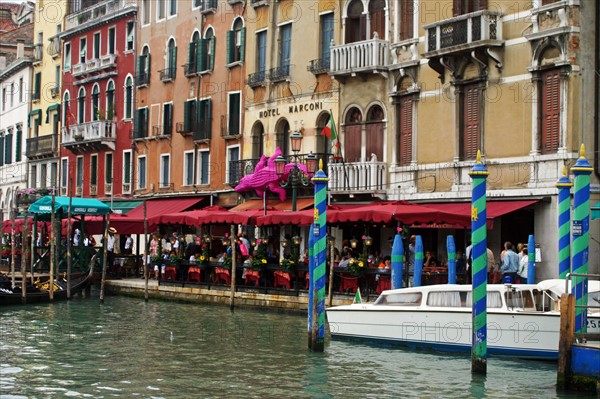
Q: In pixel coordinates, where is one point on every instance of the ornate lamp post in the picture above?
(296, 176)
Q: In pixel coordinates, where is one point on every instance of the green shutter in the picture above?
(230, 45)
(213, 41)
(18, 139)
(8, 149)
(145, 123)
(1, 150)
(138, 124)
(208, 118)
(243, 44)
(174, 63)
(186, 116)
(201, 66)
(140, 65)
(191, 54)
(148, 67)
(199, 131)
(167, 119)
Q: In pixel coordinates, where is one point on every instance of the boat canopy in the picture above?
(79, 206)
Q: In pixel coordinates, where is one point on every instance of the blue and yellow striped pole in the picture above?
(320, 255)
(418, 261)
(311, 278)
(479, 174)
(564, 185)
(397, 262)
(581, 237)
(531, 260)
(451, 249)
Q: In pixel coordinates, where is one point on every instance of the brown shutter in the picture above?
(406, 19)
(374, 144)
(405, 131)
(470, 121)
(550, 111)
(352, 143)
(377, 24)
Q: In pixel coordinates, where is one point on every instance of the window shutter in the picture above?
(147, 70)
(141, 65)
(198, 131)
(191, 55)
(167, 119)
(550, 111)
(405, 131)
(406, 13)
(234, 114)
(138, 123)
(8, 149)
(242, 44)
(201, 54)
(208, 118)
(186, 116)
(173, 62)
(213, 41)
(470, 122)
(1, 150)
(230, 46)
(18, 139)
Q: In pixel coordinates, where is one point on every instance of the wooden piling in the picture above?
(565, 340)
(233, 267)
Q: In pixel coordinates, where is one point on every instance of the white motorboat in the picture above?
(522, 320)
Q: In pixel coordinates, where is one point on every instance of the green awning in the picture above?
(79, 206)
(32, 114)
(596, 211)
(122, 207)
(53, 107)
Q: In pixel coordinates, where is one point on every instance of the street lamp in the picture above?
(368, 241)
(296, 176)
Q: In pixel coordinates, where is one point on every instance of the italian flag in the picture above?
(330, 133)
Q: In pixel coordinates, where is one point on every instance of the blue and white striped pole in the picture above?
(451, 249)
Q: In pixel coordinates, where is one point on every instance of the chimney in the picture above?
(2, 62)
(20, 48)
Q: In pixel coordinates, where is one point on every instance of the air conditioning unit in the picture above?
(108, 188)
(93, 190)
(126, 188)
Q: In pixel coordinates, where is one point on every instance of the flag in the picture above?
(330, 132)
(357, 297)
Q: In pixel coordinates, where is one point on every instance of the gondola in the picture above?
(40, 294)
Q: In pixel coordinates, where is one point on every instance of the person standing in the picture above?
(128, 244)
(110, 248)
(510, 263)
(523, 265)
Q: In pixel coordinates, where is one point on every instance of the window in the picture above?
(377, 19)
(43, 175)
(141, 123)
(95, 102)
(233, 155)
(97, 45)
(141, 172)
(167, 119)
(108, 168)
(209, 39)
(8, 147)
(196, 57)
(172, 7)
(405, 129)
(127, 170)
(12, 94)
(285, 49)
(64, 173)
(143, 67)
(160, 9)
(234, 121)
(146, 12)
(22, 88)
(94, 169)
(470, 123)
(130, 36)
(356, 23)
(189, 116)
(4, 98)
(81, 106)
(236, 41)
(82, 49)
(57, 74)
(203, 119)
(550, 110)
(261, 53)
(326, 38)
(171, 68)
(406, 11)
(37, 86)
(18, 143)
(33, 181)
(66, 120)
(79, 173)
(110, 100)
(53, 170)
(165, 168)
(112, 40)
(188, 168)
(128, 97)
(1, 148)
(197, 3)
(204, 166)
(67, 57)
(36, 126)
(467, 6)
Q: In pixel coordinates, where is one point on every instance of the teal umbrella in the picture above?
(79, 206)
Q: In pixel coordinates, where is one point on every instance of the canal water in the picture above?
(127, 348)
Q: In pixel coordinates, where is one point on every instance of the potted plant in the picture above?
(78, 137)
(288, 265)
(110, 112)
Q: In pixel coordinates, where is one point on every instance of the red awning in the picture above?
(156, 207)
(7, 225)
(190, 218)
(300, 218)
(301, 203)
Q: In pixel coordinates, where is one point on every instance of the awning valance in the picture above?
(122, 207)
(53, 107)
(79, 206)
(596, 211)
(35, 113)
(301, 203)
(157, 207)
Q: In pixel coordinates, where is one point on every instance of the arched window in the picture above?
(96, 102)
(81, 106)
(171, 61)
(110, 100)
(377, 19)
(209, 37)
(194, 55)
(143, 76)
(128, 97)
(236, 39)
(355, 22)
(374, 130)
(282, 132)
(258, 140)
(66, 119)
(353, 135)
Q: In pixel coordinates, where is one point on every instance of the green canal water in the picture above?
(127, 348)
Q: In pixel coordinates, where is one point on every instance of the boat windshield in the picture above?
(460, 299)
(400, 299)
(519, 299)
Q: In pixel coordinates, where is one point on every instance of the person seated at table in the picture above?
(247, 265)
(430, 260)
(194, 257)
(346, 260)
(223, 257)
(304, 257)
(386, 264)
(372, 262)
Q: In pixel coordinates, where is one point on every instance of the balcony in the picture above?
(54, 47)
(42, 147)
(167, 74)
(90, 136)
(319, 66)
(280, 74)
(553, 19)
(358, 177)
(38, 52)
(463, 33)
(99, 13)
(54, 91)
(181, 129)
(108, 61)
(189, 70)
(208, 6)
(142, 79)
(78, 69)
(92, 65)
(256, 79)
(259, 3)
(367, 56)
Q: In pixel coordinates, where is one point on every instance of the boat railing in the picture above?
(568, 279)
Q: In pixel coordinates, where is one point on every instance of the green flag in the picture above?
(357, 297)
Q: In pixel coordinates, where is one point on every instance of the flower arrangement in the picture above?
(258, 263)
(226, 264)
(156, 260)
(204, 255)
(287, 264)
(357, 267)
(174, 260)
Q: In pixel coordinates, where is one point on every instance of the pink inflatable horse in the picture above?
(265, 176)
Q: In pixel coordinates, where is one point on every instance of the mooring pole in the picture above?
(564, 185)
(320, 180)
(54, 242)
(69, 243)
(479, 174)
(418, 272)
(531, 260)
(311, 278)
(581, 237)
(233, 267)
(147, 258)
(451, 249)
(105, 253)
(24, 248)
(397, 262)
